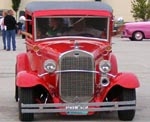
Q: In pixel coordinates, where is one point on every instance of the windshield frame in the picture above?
(64, 36)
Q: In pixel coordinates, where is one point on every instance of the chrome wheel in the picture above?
(138, 36)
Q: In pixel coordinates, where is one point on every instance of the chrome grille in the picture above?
(77, 84)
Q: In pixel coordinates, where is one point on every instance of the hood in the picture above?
(55, 48)
(138, 23)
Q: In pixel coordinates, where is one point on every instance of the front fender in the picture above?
(25, 79)
(22, 62)
(113, 60)
(127, 80)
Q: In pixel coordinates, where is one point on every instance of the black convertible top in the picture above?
(80, 5)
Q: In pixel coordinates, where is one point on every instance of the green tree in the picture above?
(15, 5)
(141, 9)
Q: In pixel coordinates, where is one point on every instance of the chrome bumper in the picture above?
(78, 107)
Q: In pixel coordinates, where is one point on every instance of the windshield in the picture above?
(48, 27)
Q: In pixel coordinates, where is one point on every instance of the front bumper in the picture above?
(78, 107)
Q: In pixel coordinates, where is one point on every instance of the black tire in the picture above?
(16, 93)
(127, 95)
(16, 88)
(26, 97)
(138, 36)
(131, 38)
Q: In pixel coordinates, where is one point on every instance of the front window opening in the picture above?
(48, 27)
(29, 24)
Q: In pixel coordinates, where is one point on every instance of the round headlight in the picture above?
(105, 66)
(50, 66)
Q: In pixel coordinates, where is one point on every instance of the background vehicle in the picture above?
(1, 11)
(136, 31)
(72, 74)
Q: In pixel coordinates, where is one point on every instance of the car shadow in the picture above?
(96, 117)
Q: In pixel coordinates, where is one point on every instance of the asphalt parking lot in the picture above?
(133, 56)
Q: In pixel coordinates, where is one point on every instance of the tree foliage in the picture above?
(15, 5)
(141, 9)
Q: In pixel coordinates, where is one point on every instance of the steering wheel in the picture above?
(86, 35)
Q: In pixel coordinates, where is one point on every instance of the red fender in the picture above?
(22, 62)
(25, 79)
(127, 80)
(114, 64)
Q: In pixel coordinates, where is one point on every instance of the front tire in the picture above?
(16, 93)
(25, 97)
(131, 38)
(138, 36)
(127, 95)
(16, 87)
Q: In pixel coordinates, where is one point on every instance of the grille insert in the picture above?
(76, 86)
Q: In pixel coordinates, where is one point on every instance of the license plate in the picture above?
(77, 110)
(78, 113)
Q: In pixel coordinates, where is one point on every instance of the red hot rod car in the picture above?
(71, 69)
